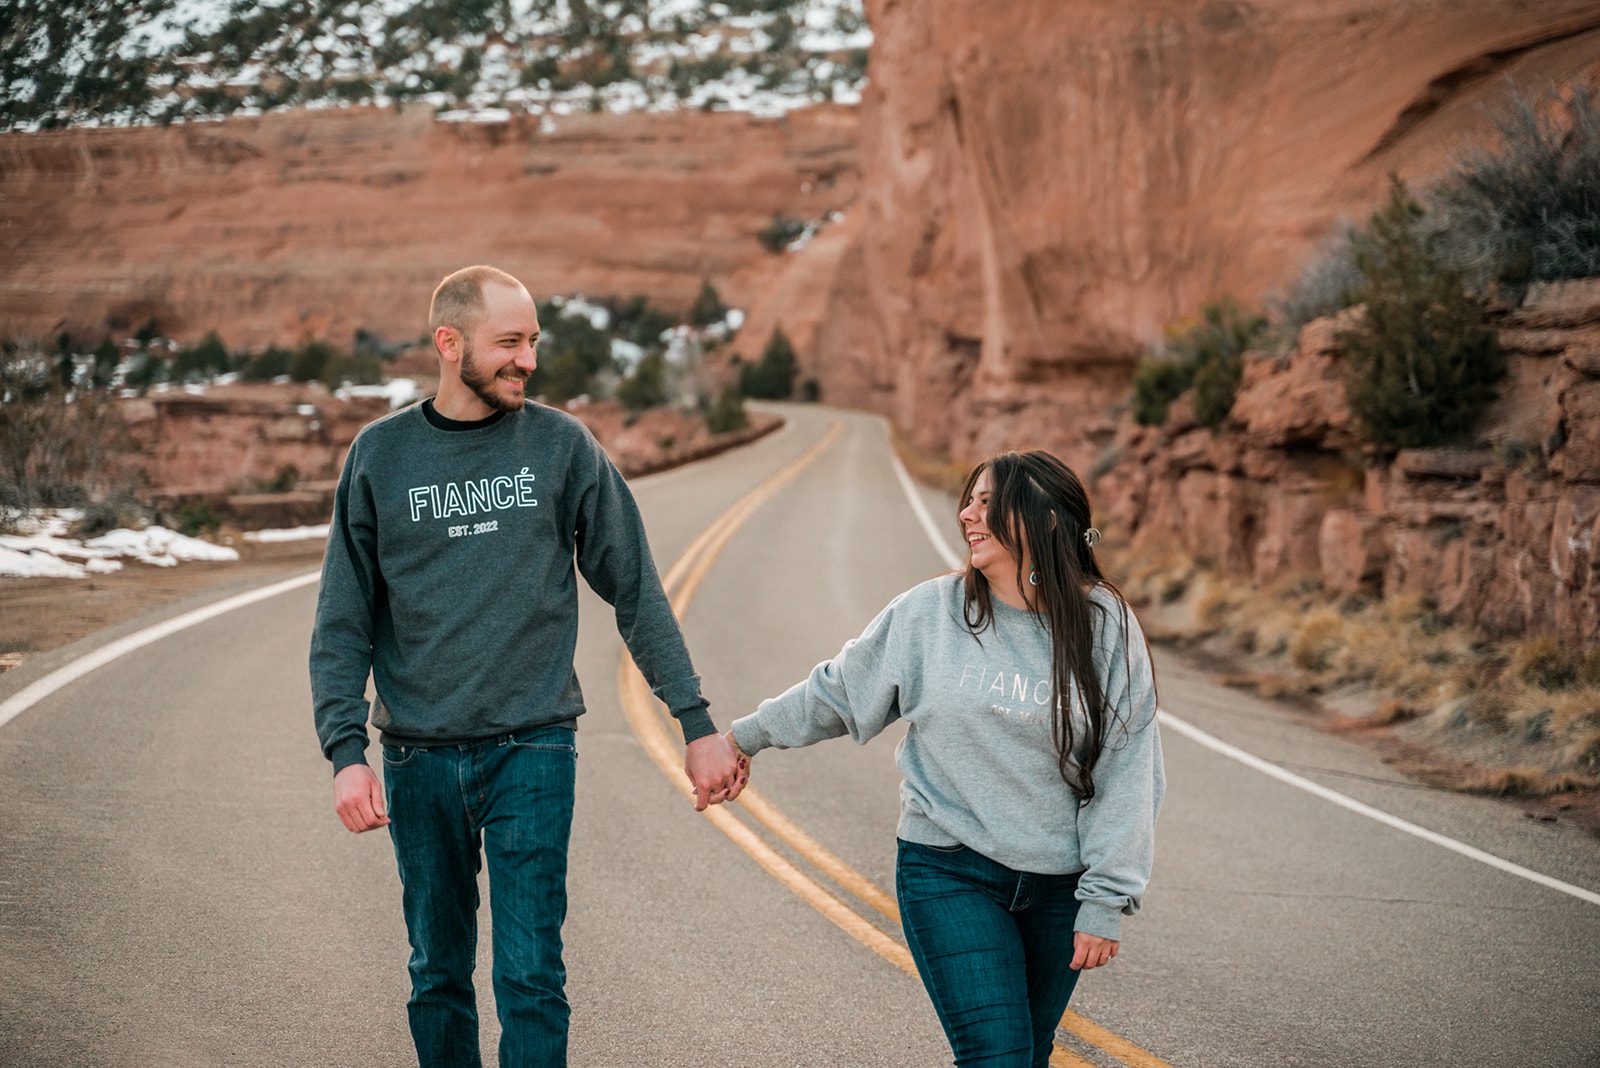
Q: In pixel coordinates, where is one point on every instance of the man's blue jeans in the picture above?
(511, 795)
(993, 947)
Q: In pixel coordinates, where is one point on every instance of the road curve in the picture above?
(175, 889)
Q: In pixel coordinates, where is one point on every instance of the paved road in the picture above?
(175, 890)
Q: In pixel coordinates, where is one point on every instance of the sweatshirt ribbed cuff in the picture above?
(749, 736)
(695, 723)
(350, 751)
(1104, 921)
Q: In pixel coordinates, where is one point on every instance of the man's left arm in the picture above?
(613, 555)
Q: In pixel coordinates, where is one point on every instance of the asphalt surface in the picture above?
(176, 890)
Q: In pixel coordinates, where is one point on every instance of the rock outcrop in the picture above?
(317, 224)
(232, 439)
(1046, 186)
(1503, 533)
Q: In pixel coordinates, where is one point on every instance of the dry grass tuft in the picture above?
(1271, 686)
(1569, 710)
(1541, 661)
(1156, 573)
(1491, 705)
(1406, 608)
(1526, 782)
(1216, 606)
(1582, 748)
(1589, 668)
(1266, 632)
(1393, 711)
(1318, 642)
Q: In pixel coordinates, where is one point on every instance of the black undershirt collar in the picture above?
(445, 423)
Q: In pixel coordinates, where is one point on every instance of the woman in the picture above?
(1026, 822)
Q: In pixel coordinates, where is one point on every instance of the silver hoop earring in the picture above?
(1091, 537)
(1033, 576)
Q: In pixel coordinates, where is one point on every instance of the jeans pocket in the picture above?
(398, 756)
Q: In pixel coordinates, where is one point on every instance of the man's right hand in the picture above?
(358, 798)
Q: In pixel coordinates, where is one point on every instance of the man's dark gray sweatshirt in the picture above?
(449, 575)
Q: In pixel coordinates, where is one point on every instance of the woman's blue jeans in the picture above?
(509, 799)
(993, 947)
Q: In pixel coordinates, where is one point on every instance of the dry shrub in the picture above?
(1393, 711)
(1531, 719)
(1172, 587)
(1569, 710)
(1286, 687)
(1541, 661)
(1526, 782)
(1156, 574)
(1505, 704)
(1318, 641)
(1215, 608)
(1268, 685)
(1410, 676)
(1372, 651)
(1406, 609)
(1271, 632)
(1589, 668)
(1582, 749)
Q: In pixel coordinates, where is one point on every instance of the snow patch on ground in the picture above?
(287, 534)
(42, 549)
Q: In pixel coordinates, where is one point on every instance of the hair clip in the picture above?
(1091, 537)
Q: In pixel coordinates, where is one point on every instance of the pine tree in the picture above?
(772, 377)
(1421, 367)
(647, 386)
(106, 358)
(708, 307)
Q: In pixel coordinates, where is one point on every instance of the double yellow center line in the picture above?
(649, 723)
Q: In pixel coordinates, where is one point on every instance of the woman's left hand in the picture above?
(1091, 951)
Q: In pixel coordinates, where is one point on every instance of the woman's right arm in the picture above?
(857, 693)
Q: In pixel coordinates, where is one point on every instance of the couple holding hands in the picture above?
(1031, 761)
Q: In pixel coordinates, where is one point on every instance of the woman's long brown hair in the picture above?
(1038, 500)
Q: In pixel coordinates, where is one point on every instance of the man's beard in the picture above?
(481, 382)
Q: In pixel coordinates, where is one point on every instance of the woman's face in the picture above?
(986, 553)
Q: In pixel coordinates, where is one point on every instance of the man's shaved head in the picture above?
(458, 302)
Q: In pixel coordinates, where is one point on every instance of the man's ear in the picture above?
(447, 341)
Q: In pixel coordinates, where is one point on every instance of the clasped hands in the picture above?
(714, 764)
(717, 769)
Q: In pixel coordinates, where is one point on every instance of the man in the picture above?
(449, 575)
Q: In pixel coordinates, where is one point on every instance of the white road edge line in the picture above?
(35, 692)
(940, 546)
(1249, 760)
(1267, 768)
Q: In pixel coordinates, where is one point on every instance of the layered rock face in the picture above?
(1047, 185)
(230, 439)
(316, 224)
(1504, 534)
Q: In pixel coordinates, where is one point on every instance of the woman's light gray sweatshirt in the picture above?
(979, 760)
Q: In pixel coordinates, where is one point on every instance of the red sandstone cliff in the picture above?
(319, 223)
(1046, 185)
(1497, 535)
